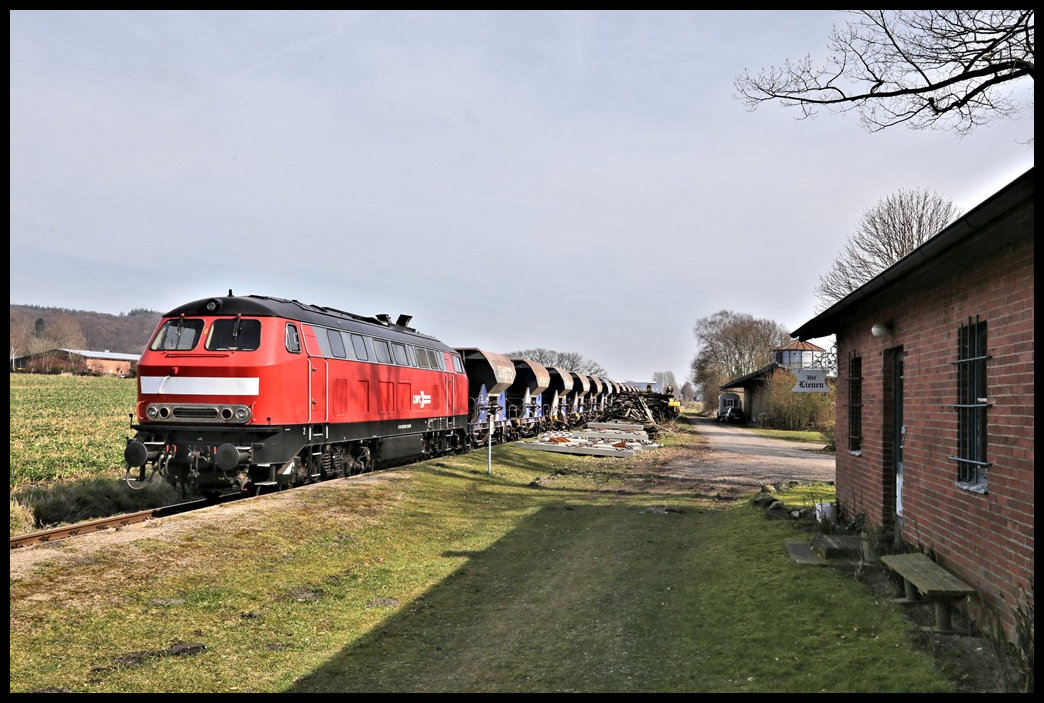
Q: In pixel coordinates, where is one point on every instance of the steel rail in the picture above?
(108, 523)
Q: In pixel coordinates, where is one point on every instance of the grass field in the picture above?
(68, 427)
(67, 440)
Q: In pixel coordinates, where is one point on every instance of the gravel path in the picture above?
(736, 460)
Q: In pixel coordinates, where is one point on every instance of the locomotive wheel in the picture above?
(362, 461)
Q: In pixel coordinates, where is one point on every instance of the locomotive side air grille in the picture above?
(195, 413)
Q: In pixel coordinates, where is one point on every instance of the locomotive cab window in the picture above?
(181, 334)
(422, 358)
(399, 351)
(293, 340)
(234, 334)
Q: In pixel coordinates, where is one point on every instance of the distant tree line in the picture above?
(36, 329)
(566, 360)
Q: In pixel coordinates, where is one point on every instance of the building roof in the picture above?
(999, 204)
(801, 345)
(753, 377)
(107, 355)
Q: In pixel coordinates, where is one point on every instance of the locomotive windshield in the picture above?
(234, 334)
(181, 334)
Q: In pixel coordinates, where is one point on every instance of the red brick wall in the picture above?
(109, 367)
(986, 539)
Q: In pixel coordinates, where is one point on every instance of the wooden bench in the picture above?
(924, 579)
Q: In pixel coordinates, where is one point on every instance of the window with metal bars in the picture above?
(855, 404)
(972, 404)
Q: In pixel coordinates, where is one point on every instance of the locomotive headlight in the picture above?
(242, 414)
(152, 412)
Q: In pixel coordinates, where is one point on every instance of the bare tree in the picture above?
(22, 330)
(688, 392)
(729, 345)
(706, 380)
(666, 380)
(945, 69)
(888, 231)
(62, 332)
(66, 333)
(566, 360)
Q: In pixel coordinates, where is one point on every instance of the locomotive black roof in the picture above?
(265, 306)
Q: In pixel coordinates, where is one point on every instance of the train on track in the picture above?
(244, 393)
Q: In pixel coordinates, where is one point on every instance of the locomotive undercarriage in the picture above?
(255, 459)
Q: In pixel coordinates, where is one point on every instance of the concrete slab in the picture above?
(627, 426)
(578, 449)
(615, 435)
(802, 553)
(610, 441)
(839, 546)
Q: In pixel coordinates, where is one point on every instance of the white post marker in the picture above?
(489, 457)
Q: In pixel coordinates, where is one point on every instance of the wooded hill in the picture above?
(35, 329)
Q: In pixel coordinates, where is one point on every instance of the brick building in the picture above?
(935, 398)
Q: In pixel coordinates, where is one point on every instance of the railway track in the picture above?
(117, 521)
(114, 522)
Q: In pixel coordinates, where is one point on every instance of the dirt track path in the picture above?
(735, 460)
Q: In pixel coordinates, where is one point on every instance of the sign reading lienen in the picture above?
(811, 381)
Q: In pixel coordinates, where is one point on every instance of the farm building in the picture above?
(935, 399)
(78, 361)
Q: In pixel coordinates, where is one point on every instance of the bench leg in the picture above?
(910, 592)
(942, 616)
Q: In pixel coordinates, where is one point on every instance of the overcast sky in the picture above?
(582, 181)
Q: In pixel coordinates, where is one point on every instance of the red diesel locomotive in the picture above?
(252, 391)
(247, 392)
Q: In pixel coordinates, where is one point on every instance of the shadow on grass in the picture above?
(631, 597)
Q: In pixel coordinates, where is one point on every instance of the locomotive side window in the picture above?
(346, 341)
(336, 343)
(324, 342)
(293, 340)
(458, 366)
(180, 334)
(359, 344)
(422, 358)
(399, 350)
(380, 347)
(234, 334)
(436, 359)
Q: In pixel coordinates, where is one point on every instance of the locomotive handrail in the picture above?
(205, 355)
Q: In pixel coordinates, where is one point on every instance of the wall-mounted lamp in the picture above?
(881, 329)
